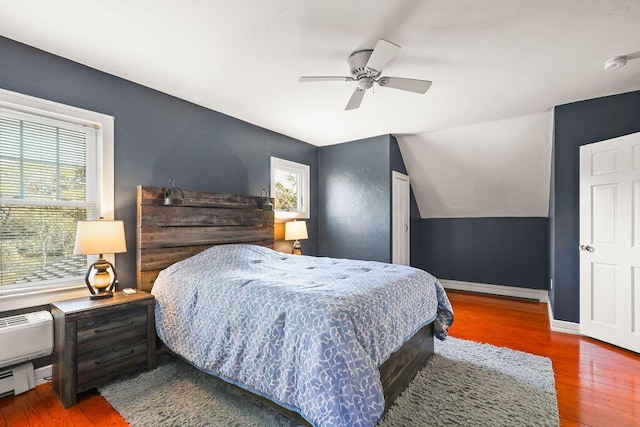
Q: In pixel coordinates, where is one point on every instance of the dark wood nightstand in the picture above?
(97, 340)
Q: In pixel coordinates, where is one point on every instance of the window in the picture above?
(290, 188)
(56, 168)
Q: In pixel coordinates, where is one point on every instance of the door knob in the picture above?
(587, 248)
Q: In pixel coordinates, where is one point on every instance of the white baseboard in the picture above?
(510, 291)
(506, 291)
(43, 374)
(562, 325)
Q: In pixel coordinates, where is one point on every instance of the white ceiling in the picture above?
(489, 60)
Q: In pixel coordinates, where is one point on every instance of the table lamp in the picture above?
(296, 230)
(98, 238)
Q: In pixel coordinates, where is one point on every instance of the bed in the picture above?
(305, 335)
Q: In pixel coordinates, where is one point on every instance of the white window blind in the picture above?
(48, 182)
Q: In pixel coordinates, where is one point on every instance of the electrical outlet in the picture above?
(551, 284)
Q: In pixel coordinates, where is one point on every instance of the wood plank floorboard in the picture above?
(597, 384)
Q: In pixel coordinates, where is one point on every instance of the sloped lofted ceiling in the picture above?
(492, 169)
(496, 65)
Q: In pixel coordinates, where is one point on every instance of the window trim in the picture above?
(278, 163)
(11, 299)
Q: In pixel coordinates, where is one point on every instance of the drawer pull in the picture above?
(118, 356)
(116, 326)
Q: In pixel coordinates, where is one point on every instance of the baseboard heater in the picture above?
(17, 379)
(23, 337)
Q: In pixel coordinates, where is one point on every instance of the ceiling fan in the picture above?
(366, 67)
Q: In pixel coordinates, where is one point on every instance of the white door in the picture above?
(400, 215)
(610, 241)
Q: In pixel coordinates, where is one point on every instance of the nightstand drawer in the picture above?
(115, 326)
(97, 365)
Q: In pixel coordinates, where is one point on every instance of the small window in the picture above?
(290, 188)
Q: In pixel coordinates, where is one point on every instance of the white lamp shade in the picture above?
(100, 237)
(295, 230)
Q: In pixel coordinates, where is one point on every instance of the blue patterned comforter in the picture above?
(308, 333)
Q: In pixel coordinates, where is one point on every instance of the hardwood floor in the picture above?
(597, 384)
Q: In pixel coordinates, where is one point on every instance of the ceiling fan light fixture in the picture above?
(615, 63)
(365, 83)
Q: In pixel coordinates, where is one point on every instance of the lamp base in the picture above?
(103, 282)
(102, 295)
(297, 248)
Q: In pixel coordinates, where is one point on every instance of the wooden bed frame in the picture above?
(167, 234)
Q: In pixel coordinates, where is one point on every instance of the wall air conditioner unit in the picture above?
(23, 337)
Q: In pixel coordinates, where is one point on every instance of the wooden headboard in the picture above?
(167, 234)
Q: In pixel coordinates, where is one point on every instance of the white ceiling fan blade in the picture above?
(325, 79)
(384, 52)
(355, 100)
(410, 85)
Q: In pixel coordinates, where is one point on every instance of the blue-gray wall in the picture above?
(355, 198)
(158, 136)
(577, 124)
(501, 251)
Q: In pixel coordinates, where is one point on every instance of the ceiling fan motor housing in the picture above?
(359, 71)
(358, 64)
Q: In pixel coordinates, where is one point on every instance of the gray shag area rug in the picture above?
(464, 384)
